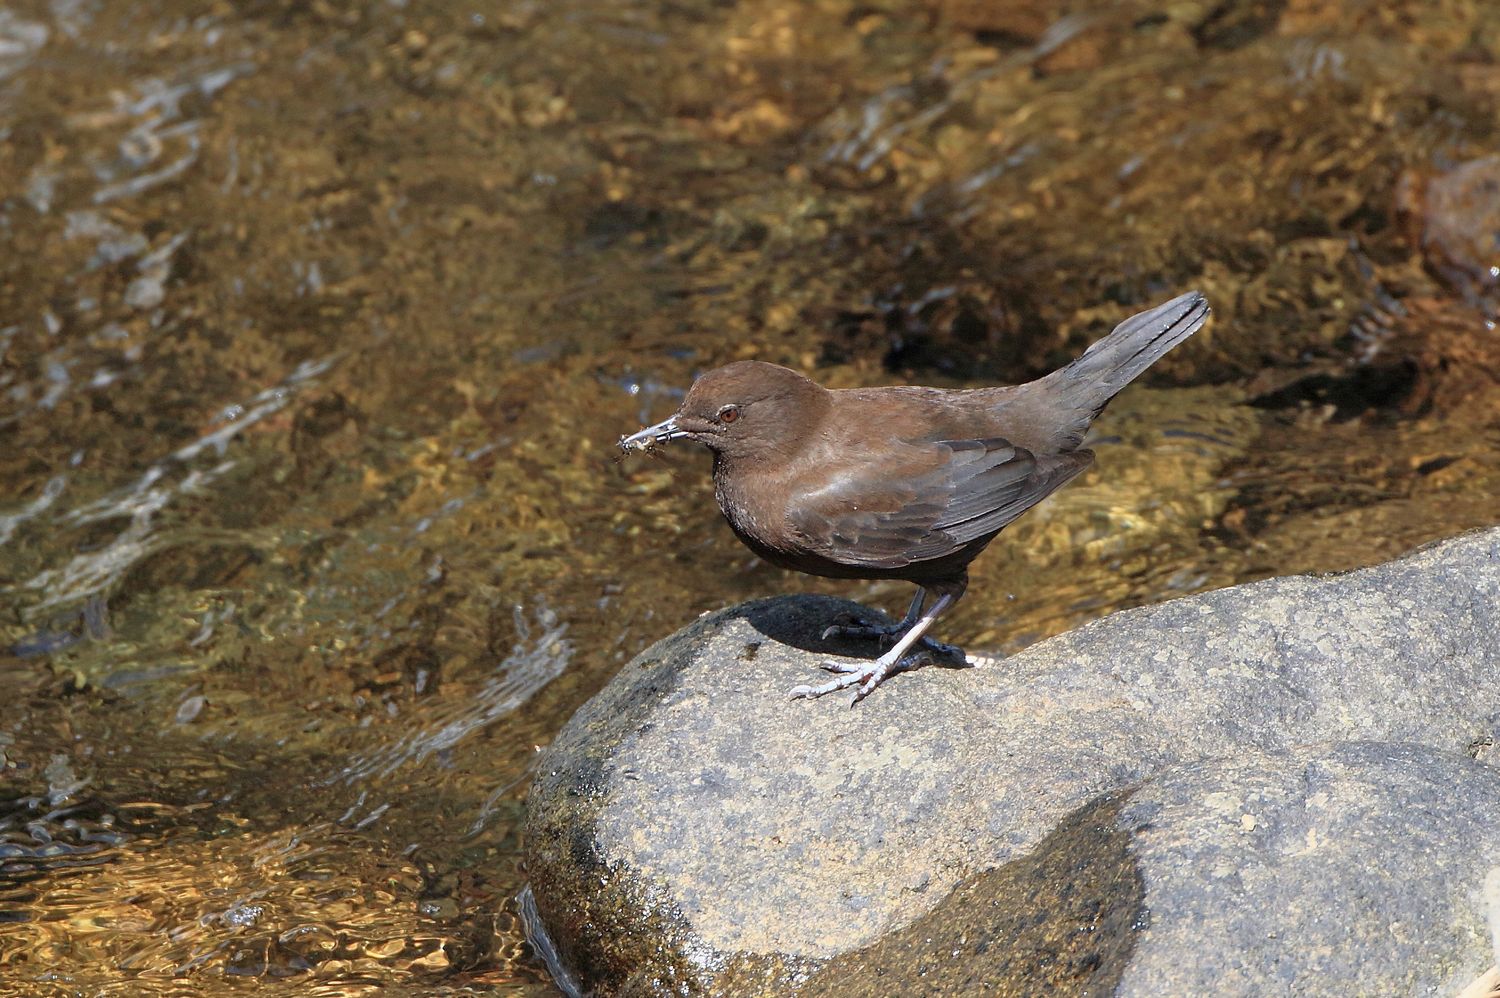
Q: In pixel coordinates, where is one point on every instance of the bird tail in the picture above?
(1109, 365)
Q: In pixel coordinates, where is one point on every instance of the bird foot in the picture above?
(944, 650)
(886, 634)
(865, 676)
(863, 627)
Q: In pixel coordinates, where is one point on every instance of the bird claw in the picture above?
(866, 676)
(859, 627)
(943, 649)
(886, 634)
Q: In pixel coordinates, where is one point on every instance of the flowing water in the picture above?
(318, 322)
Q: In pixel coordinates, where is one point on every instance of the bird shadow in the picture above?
(798, 621)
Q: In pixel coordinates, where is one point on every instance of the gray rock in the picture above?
(691, 830)
(1307, 873)
(1333, 870)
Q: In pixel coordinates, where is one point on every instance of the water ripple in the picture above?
(95, 572)
(532, 664)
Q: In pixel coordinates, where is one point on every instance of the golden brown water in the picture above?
(318, 322)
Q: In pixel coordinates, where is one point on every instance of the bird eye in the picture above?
(729, 414)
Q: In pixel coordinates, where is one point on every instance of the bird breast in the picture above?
(754, 505)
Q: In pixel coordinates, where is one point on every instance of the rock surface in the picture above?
(691, 830)
(1267, 874)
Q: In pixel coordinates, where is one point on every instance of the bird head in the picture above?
(738, 410)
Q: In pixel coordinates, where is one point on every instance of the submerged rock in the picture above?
(691, 830)
(1457, 213)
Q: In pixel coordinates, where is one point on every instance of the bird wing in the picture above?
(962, 490)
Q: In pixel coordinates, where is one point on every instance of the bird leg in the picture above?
(872, 674)
(861, 627)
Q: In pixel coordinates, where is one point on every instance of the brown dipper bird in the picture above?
(901, 483)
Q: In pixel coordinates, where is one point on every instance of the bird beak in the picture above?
(653, 436)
